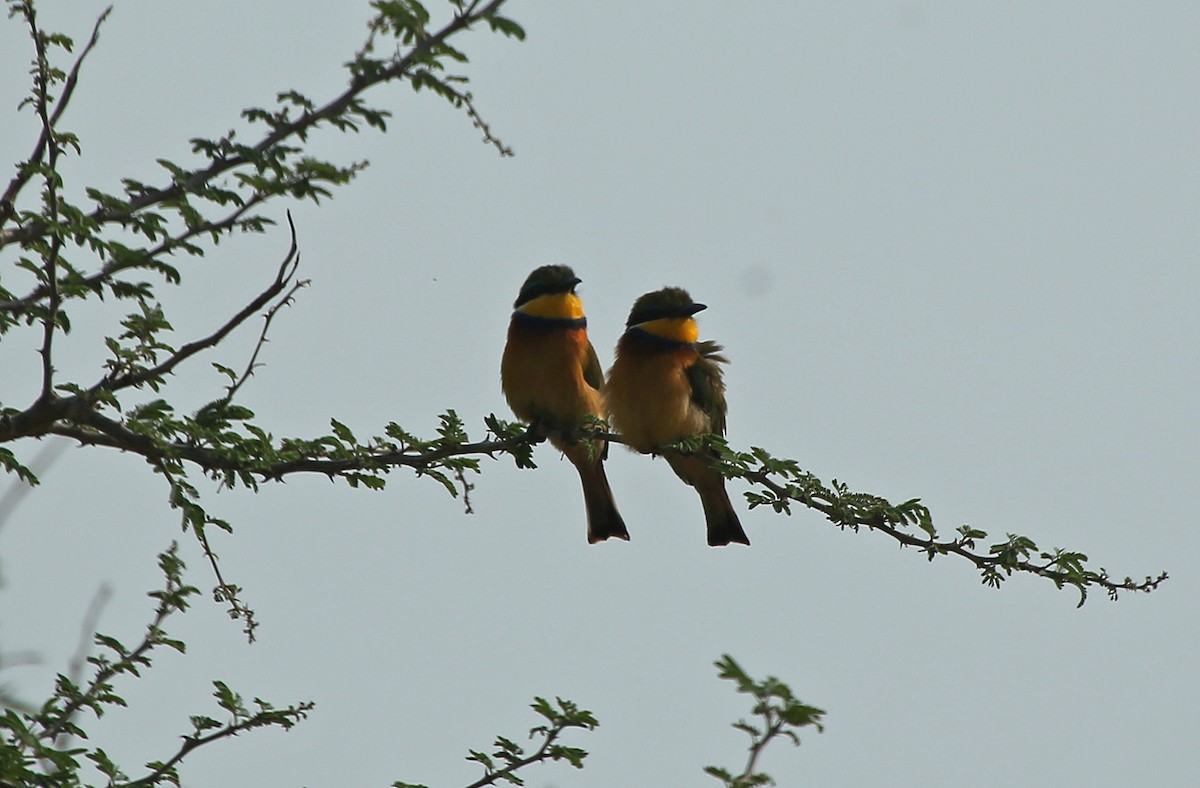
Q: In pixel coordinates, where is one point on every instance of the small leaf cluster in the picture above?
(507, 757)
(422, 57)
(779, 715)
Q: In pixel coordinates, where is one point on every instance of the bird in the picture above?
(551, 377)
(666, 385)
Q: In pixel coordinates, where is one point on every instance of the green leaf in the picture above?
(506, 26)
(342, 431)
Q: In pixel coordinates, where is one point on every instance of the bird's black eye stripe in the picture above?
(660, 312)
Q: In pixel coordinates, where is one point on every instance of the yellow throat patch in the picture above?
(676, 329)
(554, 306)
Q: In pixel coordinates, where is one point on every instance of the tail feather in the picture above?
(720, 517)
(604, 521)
(723, 524)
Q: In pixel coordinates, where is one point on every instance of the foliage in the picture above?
(508, 757)
(781, 482)
(41, 747)
(780, 716)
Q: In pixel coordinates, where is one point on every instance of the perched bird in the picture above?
(664, 386)
(551, 377)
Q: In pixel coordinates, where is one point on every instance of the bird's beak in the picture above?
(694, 308)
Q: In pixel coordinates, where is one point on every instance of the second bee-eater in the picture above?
(551, 377)
(665, 385)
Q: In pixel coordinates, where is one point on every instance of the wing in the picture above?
(708, 389)
(592, 373)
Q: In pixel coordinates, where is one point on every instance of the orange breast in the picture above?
(541, 374)
(649, 397)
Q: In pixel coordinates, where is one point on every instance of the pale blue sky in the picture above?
(953, 251)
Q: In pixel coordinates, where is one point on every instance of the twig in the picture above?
(540, 755)
(845, 518)
(47, 142)
(283, 276)
(191, 743)
(25, 172)
(267, 318)
(167, 603)
(113, 267)
(226, 592)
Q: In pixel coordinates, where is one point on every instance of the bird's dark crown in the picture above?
(547, 280)
(668, 302)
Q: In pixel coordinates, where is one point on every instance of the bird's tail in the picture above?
(723, 524)
(721, 518)
(604, 521)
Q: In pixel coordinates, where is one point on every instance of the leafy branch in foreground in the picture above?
(37, 747)
(779, 714)
(508, 757)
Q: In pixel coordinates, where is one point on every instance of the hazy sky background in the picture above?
(953, 251)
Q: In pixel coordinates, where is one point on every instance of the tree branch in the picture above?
(284, 274)
(285, 717)
(57, 720)
(87, 635)
(108, 270)
(194, 180)
(102, 431)
(25, 171)
(47, 142)
(1061, 568)
(542, 754)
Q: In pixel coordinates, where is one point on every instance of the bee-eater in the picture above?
(551, 377)
(664, 386)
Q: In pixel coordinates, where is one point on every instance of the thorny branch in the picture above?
(283, 277)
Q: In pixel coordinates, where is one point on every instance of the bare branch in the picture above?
(287, 269)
